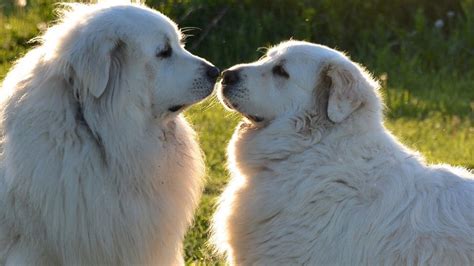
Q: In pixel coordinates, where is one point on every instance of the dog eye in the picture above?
(166, 52)
(280, 71)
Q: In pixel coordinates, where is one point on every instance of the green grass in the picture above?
(427, 74)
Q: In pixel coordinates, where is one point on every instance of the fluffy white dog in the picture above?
(318, 180)
(97, 165)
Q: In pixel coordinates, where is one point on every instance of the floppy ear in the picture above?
(346, 89)
(91, 61)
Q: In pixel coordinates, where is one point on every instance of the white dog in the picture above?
(97, 165)
(318, 180)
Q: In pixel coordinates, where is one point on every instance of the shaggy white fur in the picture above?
(316, 179)
(97, 166)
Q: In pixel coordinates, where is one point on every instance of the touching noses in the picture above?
(212, 73)
(230, 77)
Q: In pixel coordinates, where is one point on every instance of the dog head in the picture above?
(128, 54)
(297, 78)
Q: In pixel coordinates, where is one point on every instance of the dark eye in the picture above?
(166, 52)
(280, 71)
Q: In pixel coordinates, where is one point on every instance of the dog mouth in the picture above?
(201, 95)
(176, 108)
(254, 118)
(179, 107)
(235, 106)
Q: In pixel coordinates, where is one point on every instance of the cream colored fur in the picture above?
(95, 167)
(321, 181)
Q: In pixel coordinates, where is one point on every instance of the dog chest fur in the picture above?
(61, 191)
(322, 207)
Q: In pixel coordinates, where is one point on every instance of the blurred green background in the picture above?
(421, 51)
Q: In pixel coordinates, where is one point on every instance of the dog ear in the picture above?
(346, 88)
(93, 65)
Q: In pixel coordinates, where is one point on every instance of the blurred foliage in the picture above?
(347, 25)
(354, 26)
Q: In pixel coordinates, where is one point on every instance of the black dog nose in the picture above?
(212, 73)
(230, 77)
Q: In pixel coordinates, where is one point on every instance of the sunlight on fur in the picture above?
(316, 178)
(99, 167)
